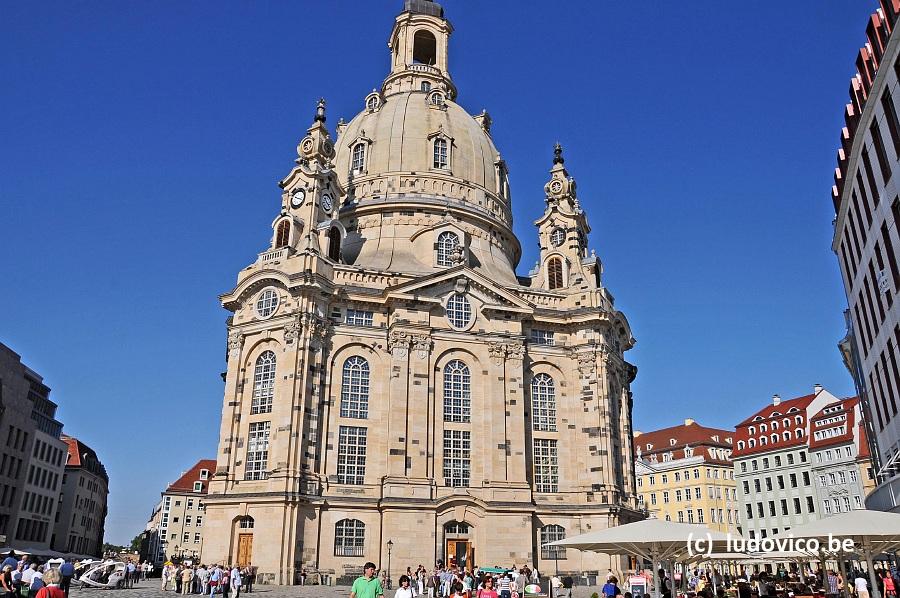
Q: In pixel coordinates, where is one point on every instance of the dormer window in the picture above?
(358, 158)
(198, 486)
(373, 101)
(447, 244)
(672, 442)
(204, 474)
(437, 99)
(649, 447)
(441, 153)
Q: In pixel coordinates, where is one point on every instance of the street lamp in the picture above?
(390, 545)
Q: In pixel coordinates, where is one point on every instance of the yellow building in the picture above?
(684, 473)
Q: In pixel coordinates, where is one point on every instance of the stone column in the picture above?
(505, 389)
(418, 406)
(228, 431)
(399, 342)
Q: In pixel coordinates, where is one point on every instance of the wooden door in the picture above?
(459, 552)
(245, 550)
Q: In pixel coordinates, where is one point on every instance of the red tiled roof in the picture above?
(74, 459)
(186, 482)
(767, 415)
(850, 423)
(691, 434)
(766, 412)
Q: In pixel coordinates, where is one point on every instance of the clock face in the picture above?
(326, 202)
(556, 186)
(297, 198)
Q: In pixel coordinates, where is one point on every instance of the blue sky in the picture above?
(142, 143)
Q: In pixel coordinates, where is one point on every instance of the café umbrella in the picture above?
(871, 532)
(651, 539)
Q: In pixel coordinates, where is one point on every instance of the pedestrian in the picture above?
(51, 590)
(404, 590)
(236, 581)
(67, 572)
(890, 590)
(177, 576)
(861, 585)
(6, 581)
(487, 589)
(367, 585)
(251, 577)
(187, 576)
(203, 579)
(215, 574)
(225, 581)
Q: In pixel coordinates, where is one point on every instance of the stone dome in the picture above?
(385, 159)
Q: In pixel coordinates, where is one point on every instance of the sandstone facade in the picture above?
(389, 376)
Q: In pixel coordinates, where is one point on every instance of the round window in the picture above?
(437, 98)
(459, 311)
(267, 303)
(557, 236)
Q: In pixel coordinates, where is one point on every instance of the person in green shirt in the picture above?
(367, 585)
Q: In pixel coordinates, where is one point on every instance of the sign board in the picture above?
(638, 586)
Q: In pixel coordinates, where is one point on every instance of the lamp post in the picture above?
(390, 545)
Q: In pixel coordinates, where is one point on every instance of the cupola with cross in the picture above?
(311, 196)
(419, 43)
(562, 235)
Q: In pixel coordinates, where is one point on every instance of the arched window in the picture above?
(798, 433)
(774, 438)
(447, 242)
(552, 533)
(751, 443)
(373, 102)
(774, 425)
(740, 445)
(457, 392)
(785, 435)
(763, 428)
(424, 47)
(358, 161)
(349, 537)
(798, 419)
(283, 234)
(246, 523)
(441, 158)
(334, 244)
(763, 441)
(554, 273)
(543, 403)
(355, 388)
(263, 383)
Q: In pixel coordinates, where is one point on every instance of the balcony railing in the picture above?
(273, 256)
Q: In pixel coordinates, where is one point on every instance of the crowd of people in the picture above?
(456, 582)
(215, 579)
(452, 582)
(26, 577)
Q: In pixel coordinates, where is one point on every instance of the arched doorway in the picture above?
(458, 549)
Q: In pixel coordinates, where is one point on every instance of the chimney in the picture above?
(776, 400)
(688, 421)
(817, 388)
(637, 433)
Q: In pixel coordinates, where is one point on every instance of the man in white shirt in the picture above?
(28, 574)
(236, 581)
(862, 586)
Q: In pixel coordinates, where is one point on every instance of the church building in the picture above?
(394, 390)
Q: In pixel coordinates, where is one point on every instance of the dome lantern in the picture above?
(419, 44)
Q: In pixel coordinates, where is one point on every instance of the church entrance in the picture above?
(245, 550)
(458, 549)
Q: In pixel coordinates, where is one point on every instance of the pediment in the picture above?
(436, 285)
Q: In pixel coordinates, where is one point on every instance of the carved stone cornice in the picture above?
(293, 329)
(235, 340)
(422, 344)
(399, 342)
(503, 350)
